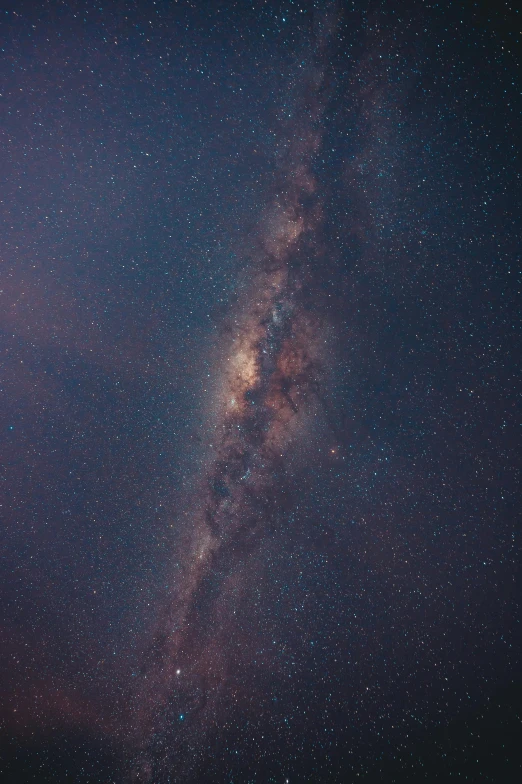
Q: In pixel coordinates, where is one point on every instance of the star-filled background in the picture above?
(259, 387)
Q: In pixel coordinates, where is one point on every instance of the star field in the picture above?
(260, 398)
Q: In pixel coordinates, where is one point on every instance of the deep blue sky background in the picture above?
(139, 146)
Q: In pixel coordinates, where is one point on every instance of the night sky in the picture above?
(260, 392)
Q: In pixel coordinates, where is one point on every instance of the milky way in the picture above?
(266, 402)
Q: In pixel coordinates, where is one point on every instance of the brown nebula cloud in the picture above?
(265, 403)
